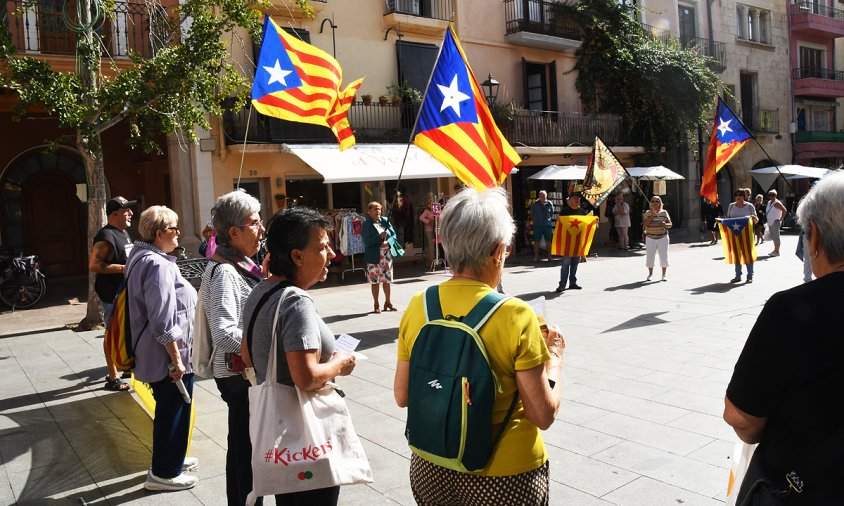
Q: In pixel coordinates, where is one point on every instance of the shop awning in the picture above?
(368, 162)
(766, 176)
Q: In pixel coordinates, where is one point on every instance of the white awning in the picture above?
(561, 173)
(368, 162)
(766, 176)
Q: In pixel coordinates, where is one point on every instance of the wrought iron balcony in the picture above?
(552, 128)
(817, 73)
(765, 121)
(543, 17)
(38, 27)
(371, 123)
(433, 9)
(803, 137)
(715, 50)
(660, 34)
(817, 8)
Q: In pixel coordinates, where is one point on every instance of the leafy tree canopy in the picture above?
(660, 89)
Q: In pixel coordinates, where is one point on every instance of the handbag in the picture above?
(301, 440)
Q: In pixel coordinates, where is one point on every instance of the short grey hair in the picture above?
(231, 210)
(824, 206)
(472, 225)
(153, 219)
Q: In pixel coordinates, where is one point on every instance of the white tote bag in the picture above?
(202, 350)
(301, 440)
(742, 453)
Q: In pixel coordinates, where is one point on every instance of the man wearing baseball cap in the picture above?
(112, 245)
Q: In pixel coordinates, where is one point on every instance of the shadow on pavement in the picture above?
(715, 288)
(643, 320)
(627, 286)
(343, 317)
(375, 338)
(548, 294)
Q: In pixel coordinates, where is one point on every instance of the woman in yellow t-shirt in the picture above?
(476, 229)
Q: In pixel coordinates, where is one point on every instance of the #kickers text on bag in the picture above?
(311, 452)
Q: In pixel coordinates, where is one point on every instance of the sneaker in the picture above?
(191, 464)
(573, 286)
(774, 254)
(181, 482)
(735, 279)
(560, 289)
(750, 280)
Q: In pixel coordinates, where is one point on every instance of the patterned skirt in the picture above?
(382, 272)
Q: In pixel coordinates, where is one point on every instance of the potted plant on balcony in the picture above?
(383, 100)
(366, 99)
(280, 200)
(403, 91)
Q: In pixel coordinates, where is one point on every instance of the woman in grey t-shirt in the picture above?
(299, 253)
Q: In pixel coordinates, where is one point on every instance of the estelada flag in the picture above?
(738, 240)
(603, 174)
(573, 235)
(455, 125)
(729, 135)
(296, 81)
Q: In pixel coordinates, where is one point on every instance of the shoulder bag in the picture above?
(300, 440)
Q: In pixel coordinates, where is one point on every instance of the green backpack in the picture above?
(452, 388)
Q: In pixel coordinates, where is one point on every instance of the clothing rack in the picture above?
(339, 214)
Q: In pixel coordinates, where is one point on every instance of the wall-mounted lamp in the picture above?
(279, 182)
(491, 86)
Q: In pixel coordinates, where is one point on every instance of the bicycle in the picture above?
(22, 284)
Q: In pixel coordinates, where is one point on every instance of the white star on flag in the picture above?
(452, 96)
(724, 126)
(277, 74)
(736, 227)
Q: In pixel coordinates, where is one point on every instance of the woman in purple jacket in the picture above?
(161, 308)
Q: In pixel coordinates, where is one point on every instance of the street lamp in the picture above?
(491, 86)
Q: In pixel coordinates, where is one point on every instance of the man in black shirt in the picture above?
(568, 271)
(112, 245)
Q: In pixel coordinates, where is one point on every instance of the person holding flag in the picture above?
(455, 125)
(737, 235)
(729, 135)
(296, 81)
(571, 258)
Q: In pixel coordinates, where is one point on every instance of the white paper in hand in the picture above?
(538, 306)
(346, 344)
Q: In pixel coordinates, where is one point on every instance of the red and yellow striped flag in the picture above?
(456, 127)
(738, 240)
(296, 81)
(573, 235)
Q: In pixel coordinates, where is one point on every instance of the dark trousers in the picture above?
(170, 427)
(235, 392)
(568, 271)
(320, 496)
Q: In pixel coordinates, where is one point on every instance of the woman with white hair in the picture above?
(784, 390)
(229, 278)
(476, 230)
(656, 223)
(161, 307)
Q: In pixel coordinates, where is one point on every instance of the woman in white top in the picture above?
(621, 212)
(738, 209)
(775, 212)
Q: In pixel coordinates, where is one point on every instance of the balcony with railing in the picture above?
(392, 124)
(38, 27)
(818, 82)
(715, 50)
(818, 144)
(423, 17)
(541, 23)
(660, 34)
(816, 18)
(765, 121)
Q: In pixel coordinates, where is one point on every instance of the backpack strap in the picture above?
(433, 310)
(482, 311)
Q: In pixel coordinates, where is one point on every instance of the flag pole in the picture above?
(418, 113)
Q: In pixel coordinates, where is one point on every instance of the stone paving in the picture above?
(647, 364)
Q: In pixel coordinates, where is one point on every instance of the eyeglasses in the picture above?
(174, 229)
(254, 224)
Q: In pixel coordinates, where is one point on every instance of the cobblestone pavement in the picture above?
(647, 365)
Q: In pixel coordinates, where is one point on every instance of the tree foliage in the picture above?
(660, 89)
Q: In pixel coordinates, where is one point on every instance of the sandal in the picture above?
(389, 307)
(377, 309)
(115, 385)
